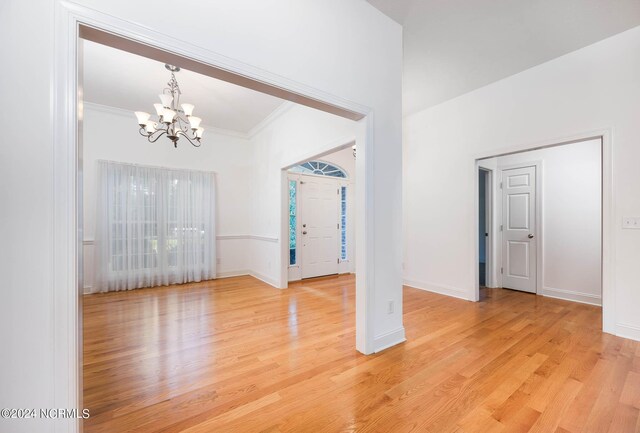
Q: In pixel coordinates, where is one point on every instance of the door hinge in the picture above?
(500, 185)
(338, 260)
(338, 226)
(338, 191)
(500, 270)
(500, 227)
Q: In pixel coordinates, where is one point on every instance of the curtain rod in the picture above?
(156, 166)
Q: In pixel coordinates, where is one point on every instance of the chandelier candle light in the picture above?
(174, 119)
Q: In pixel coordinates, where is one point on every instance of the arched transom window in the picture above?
(319, 168)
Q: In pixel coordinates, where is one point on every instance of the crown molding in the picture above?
(129, 113)
(275, 114)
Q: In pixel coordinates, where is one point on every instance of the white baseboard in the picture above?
(570, 295)
(438, 288)
(264, 278)
(389, 339)
(229, 274)
(628, 331)
(221, 275)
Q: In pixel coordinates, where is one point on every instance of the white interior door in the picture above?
(318, 202)
(518, 229)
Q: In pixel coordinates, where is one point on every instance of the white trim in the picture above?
(144, 35)
(628, 331)
(246, 237)
(608, 235)
(330, 147)
(65, 288)
(320, 160)
(509, 150)
(264, 238)
(219, 275)
(264, 279)
(274, 115)
(229, 274)
(232, 237)
(365, 239)
(385, 341)
(440, 289)
(123, 112)
(219, 238)
(570, 295)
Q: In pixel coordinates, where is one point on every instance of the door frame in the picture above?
(328, 148)
(538, 164)
(69, 20)
(336, 183)
(608, 218)
(344, 266)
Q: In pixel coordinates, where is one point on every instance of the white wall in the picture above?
(570, 236)
(27, 367)
(591, 89)
(244, 245)
(344, 159)
(112, 134)
(322, 45)
(296, 135)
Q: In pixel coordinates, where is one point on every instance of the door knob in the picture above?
(530, 236)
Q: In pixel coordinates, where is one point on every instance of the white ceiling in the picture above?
(120, 79)
(454, 46)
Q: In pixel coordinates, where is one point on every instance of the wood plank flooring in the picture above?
(236, 355)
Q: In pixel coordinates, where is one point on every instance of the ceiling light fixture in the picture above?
(174, 119)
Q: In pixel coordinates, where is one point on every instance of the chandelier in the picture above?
(175, 120)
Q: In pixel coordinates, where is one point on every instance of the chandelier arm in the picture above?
(149, 137)
(191, 141)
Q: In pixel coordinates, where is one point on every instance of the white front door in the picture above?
(518, 229)
(318, 201)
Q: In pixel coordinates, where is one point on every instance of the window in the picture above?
(154, 226)
(292, 221)
(343, 223)
(319, 168)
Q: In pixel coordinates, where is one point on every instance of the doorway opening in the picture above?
(484, 226)
(69, 157)
(544, 212)
(320, 204)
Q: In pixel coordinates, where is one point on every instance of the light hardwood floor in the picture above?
(236, 355)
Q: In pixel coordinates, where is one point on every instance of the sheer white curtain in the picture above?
(154, 226)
